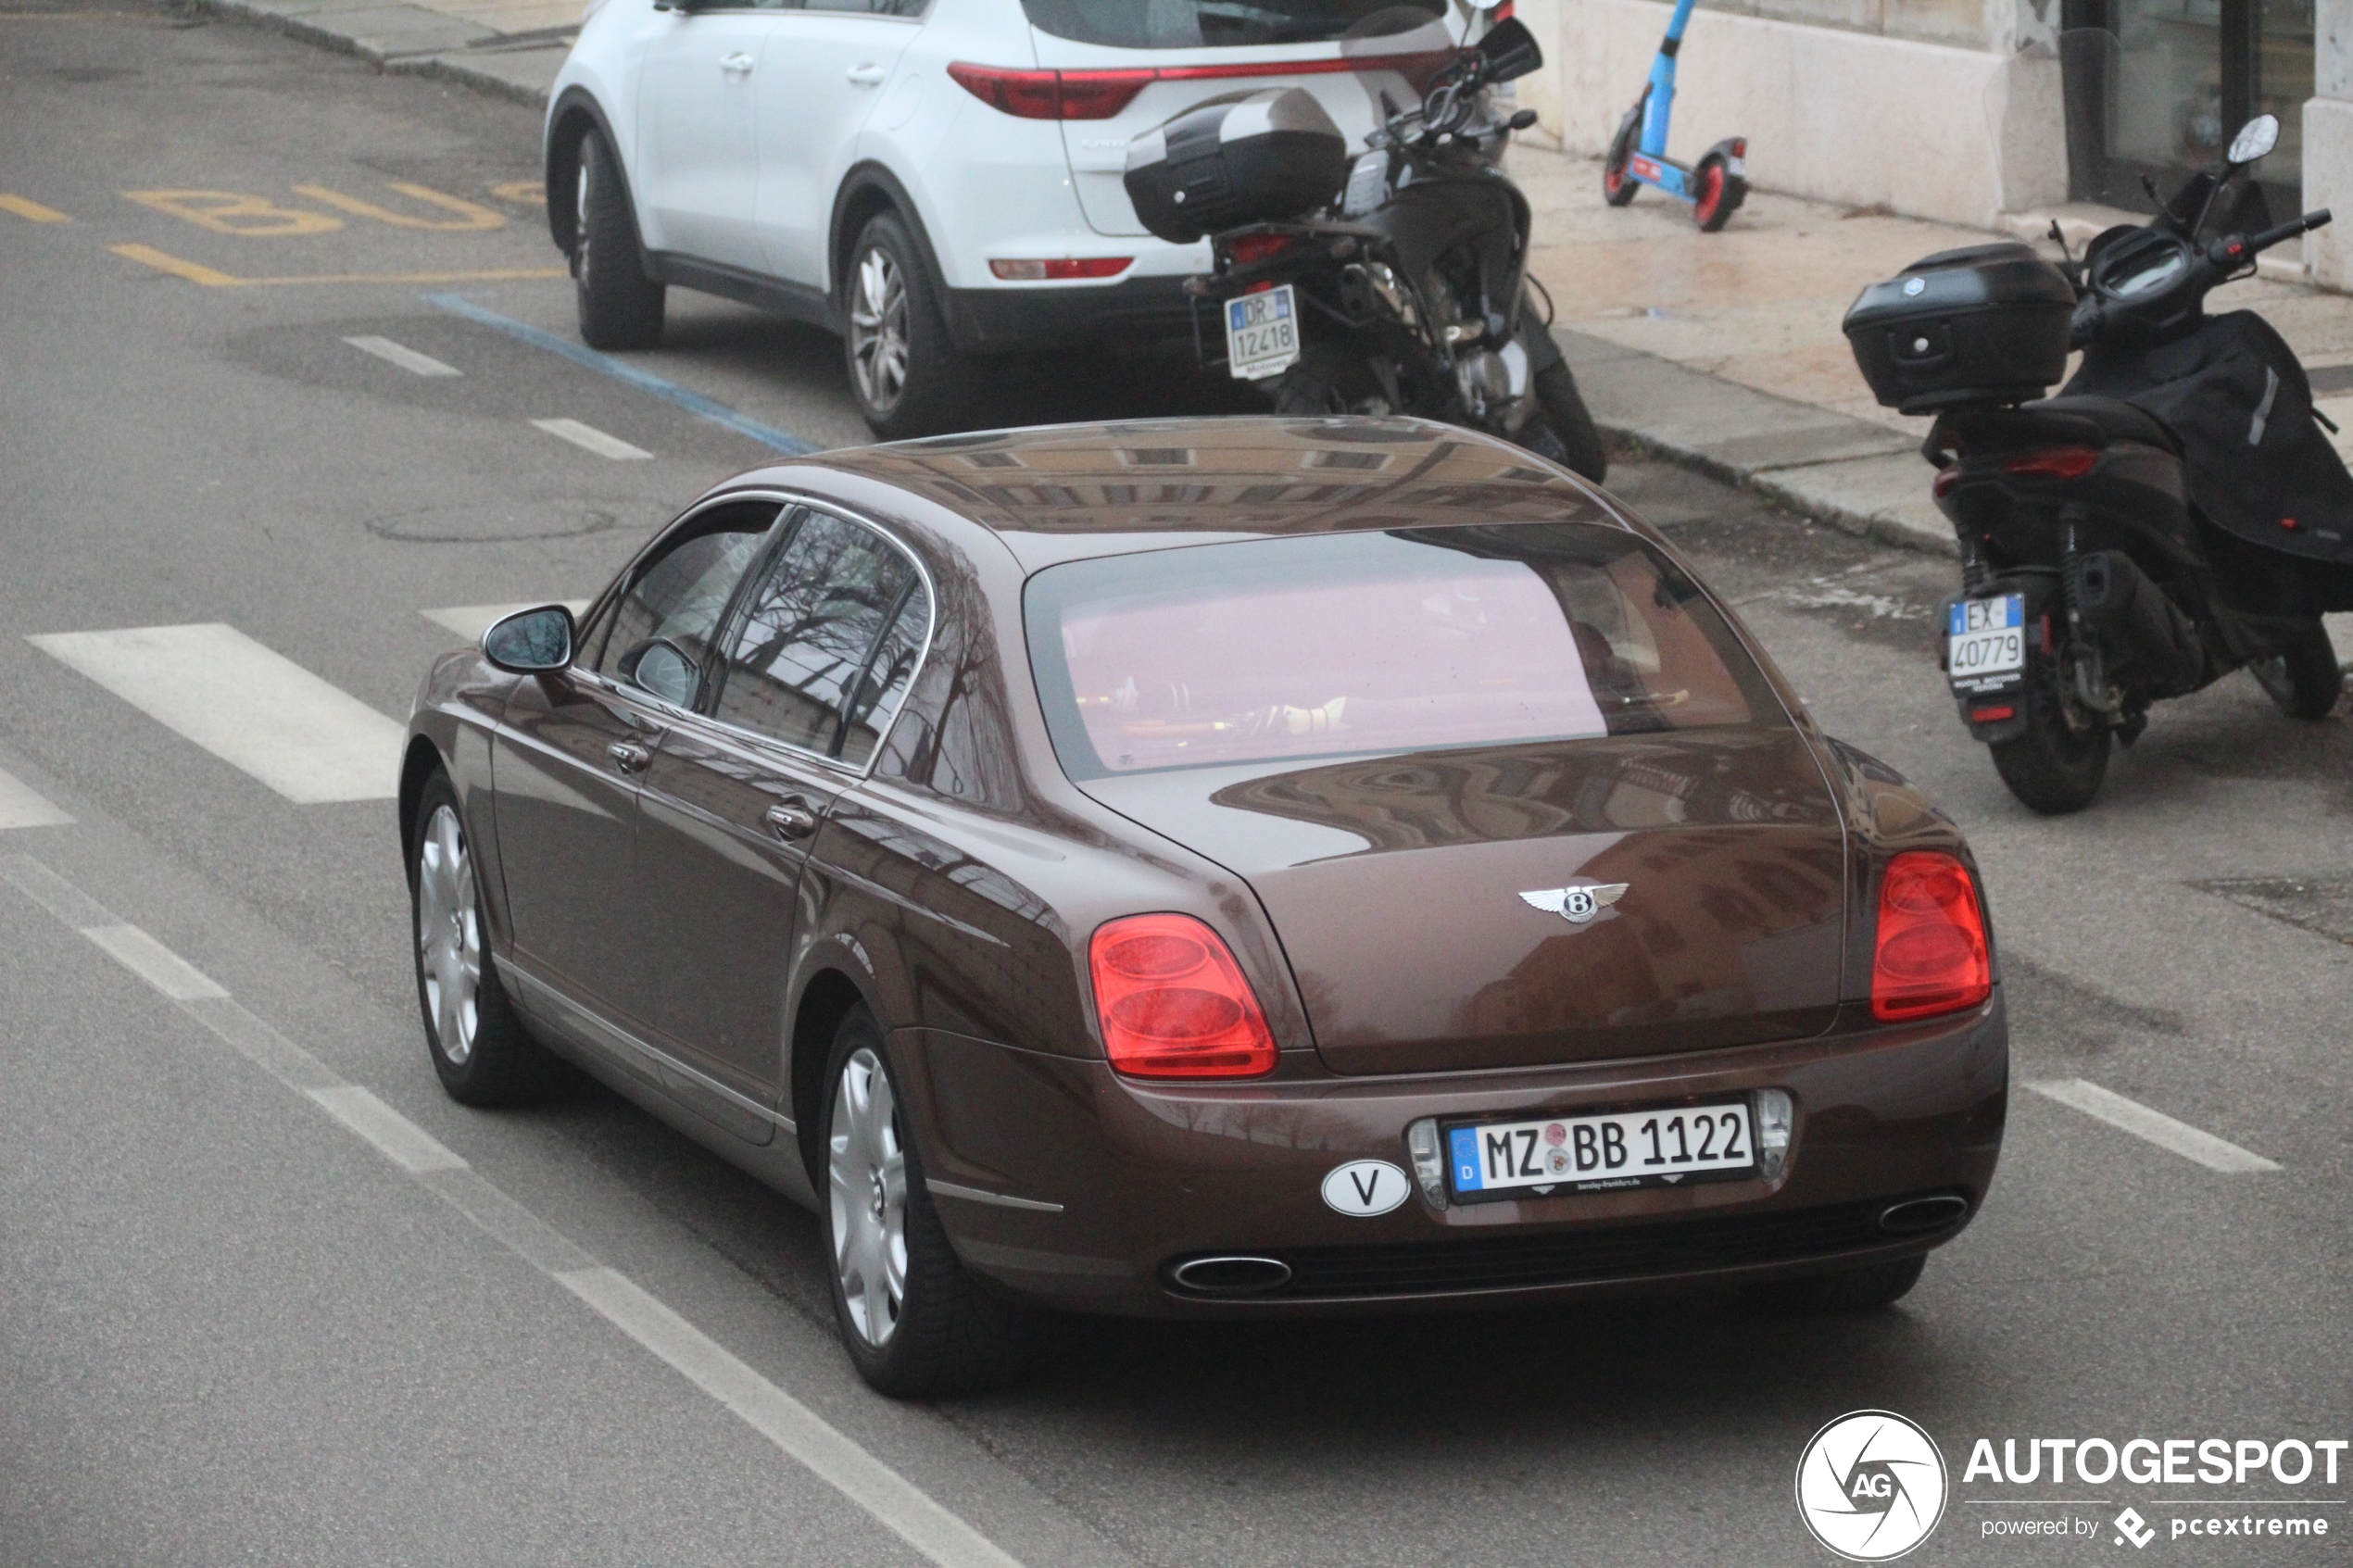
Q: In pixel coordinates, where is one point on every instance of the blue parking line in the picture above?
(644, 381)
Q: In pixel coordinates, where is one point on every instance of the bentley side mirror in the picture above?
(530, 642)
(1510, 50)
(2255, 140)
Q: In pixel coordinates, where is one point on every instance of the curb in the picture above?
(440, 57)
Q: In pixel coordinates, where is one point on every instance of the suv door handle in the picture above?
(627, 758)
(869, 75)
(738, 63)
(791, 818)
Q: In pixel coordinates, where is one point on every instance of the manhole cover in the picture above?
(2321, 905)
(489, 524)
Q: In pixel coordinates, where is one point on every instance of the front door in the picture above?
(735, 795)
(573, 748)
(825, 69)
(695, 175)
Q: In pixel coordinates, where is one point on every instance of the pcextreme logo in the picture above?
(1871, 1486)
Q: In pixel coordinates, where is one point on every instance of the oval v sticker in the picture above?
(1365, 1188)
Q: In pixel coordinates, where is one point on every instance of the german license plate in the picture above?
(1262, 333)
(1627, 1148)
(1985, 643)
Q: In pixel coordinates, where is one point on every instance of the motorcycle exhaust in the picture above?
(2147, 641)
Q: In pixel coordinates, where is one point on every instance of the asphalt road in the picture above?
(234, 1328)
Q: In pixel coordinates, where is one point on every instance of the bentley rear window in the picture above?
(1352, 645)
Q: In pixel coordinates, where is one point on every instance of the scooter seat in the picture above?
(2114, 419)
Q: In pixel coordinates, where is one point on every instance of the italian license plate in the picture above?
(1262, 333)
(1627, 1148)
(1985, 643)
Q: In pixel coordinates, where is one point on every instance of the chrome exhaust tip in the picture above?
(1916, 1214)
(1231, 1276)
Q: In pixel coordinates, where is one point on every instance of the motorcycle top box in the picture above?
(1985, 325)
(1244, 157)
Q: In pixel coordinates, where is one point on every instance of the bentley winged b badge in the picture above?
(1576, 905)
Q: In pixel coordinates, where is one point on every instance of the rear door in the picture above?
(1198, 49)
(824, 69)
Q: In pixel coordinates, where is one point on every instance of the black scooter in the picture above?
(2174, 515)
(1394, 281)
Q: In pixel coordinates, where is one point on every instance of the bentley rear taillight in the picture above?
(1929, 956)
(1173, 1003)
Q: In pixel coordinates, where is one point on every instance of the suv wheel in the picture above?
(620, 306)
(903, 371)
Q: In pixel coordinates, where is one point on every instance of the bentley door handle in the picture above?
(738, 63)
(868, 75)
(791, 818)
(627, 758)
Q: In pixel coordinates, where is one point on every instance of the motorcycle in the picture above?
(2174, 515)
(1391, 282)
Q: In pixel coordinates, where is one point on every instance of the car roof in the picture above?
(1056, 493)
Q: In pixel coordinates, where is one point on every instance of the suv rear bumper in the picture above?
(1132, 312)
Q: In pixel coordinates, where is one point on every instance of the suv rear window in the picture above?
(1223, 24)
(1291, 650)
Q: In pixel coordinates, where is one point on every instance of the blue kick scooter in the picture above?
(1715, 186)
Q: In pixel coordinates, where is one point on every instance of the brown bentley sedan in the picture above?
(1210, 867)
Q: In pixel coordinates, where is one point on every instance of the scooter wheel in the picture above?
(2305, 679)
(1329, 381)
(1713, 187)
(2053, 768)
(1618, 186)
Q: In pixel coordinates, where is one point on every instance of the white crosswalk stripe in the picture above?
(252, 708)
(470, 622)
(22, 806)
(589, 438)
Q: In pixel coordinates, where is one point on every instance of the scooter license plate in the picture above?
(1985, 643)
(1262, 333)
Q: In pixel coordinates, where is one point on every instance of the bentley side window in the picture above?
(875, 699)
(663, 627)
(812, 627)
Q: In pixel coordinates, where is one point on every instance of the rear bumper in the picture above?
(1134, 312)
(1145, 1177)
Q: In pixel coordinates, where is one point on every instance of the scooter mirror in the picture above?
(2255, 139)
(1510, 50)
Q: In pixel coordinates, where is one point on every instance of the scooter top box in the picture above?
(1985, 325)
(1241, 157)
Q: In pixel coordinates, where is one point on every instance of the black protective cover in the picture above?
(1985, 325)
(1241, 157)
(2259, 466)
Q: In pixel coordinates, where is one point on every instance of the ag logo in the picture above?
(1871, 1486)
(1365, 1188)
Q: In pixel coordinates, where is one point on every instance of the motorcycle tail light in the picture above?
(1993, 715)
(2052, 462)
(1065, 269)
(1947, 481)
(1929, 955)
(1173, 1003)
(1250, 249)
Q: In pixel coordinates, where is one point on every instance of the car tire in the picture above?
(1328, 381)
(915, 1322)
(1562, 415)
(2305, 679)
(620, 306)
(904, 372)
(479, 1047)
(1867, 1289)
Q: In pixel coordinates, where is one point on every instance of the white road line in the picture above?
(152, 962)
(253, 708)
(470, 622)
(786, 1422)
(2218, 1154)
(403, 356)
(591, 438)
(395, 1138)
(796, 1430)
(22, 806)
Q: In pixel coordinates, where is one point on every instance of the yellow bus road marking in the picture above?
(237, 212)
(30, 210)
(196, 272)
(523, 193)
(465, 216)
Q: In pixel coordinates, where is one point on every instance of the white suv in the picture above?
(934, 181)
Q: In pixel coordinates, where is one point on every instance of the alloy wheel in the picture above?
(867, 1174)
(878, 330)
(450, 935)
(580, 225)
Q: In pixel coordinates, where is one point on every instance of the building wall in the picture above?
(2328, 142)
(1934, 108)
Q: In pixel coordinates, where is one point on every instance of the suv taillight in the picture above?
(1173, 1003)
(1929, 956)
